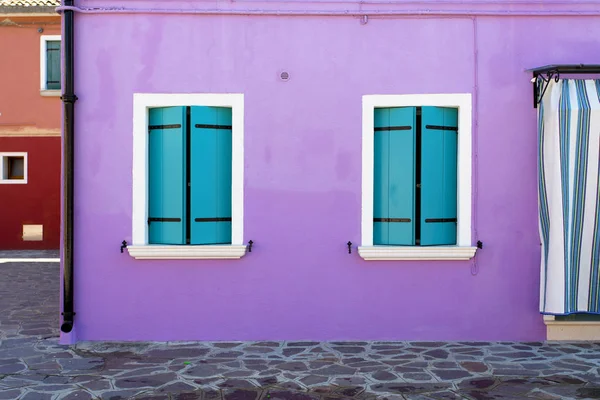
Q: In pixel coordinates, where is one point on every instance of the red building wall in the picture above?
(29, 122)
(37, 201)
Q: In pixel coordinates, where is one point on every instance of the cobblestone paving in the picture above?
(34, 366)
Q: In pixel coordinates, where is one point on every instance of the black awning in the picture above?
(543, 75)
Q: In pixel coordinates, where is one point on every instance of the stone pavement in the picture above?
(34, 366)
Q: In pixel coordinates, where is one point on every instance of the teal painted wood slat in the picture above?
(210, 175)
(394, 176)
(53, 65)
(438, 176)
(402, 176)
(380, 177)
(224, 162)
(167, 175)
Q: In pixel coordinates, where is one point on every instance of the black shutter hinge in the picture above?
(123, 245)
(349, 244)
(479, 244)
(250, 243)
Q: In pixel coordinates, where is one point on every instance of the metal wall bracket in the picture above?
(540, 84)
(250, 243)
(479, 244)
(123, 245)
(349, 244)
(543, 75)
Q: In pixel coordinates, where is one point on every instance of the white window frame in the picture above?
(140, 248)
(463, 250)
(44, 39)
(13, 181)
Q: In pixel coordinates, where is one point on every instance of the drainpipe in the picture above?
(69, 100)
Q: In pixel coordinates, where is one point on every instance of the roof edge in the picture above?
(50, 10)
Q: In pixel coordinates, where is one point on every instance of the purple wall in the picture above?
(303, 175)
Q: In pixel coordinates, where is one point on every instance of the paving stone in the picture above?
(292, 366)
(77, 395)
(336, 370)
(205, 370)
(81, 364)
(257, 349)
(417, 377)
(589, 392)
(290, 385)
(170, 354)
(450, 374)
(267, 344)
(384, 376)
(478, 383)
(145, 381)
(474, 366)
(313, 380)
(438, 353)
(241, 394)
(37, 396)
(349, 350)
(236, 383)
(402, 388)
(350, 391)
(141, 371)
(11, 368)
(228, 354)
(97, 385)
(302, 344)
(350, 381)
(176, 387)
(267, 381)
(119, 394)
(226, 345)
(9, 394)
(191, 396)
(238, 374)
(289, 395)
(292, 351)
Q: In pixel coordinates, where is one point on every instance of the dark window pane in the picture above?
(53, 65)
(16, 167)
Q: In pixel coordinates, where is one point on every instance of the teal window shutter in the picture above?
(211, 175)
(53, 65)
(394, 176)
(439, 130)
(167, 176)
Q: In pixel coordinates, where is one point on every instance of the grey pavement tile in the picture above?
(9, 394)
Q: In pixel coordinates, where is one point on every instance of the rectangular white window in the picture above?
(416, 190)
(50, 73)
(188, 176)
(13, 168)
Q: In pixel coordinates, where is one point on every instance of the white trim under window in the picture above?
(4, 178)
(44, 39)
(463, 249)
(140, 248)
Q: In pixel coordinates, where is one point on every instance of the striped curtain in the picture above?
(569, 197)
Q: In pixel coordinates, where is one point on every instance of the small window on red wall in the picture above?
(13, 168)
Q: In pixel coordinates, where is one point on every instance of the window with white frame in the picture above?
(50, 63)
(416, 190)
(13, 168)
(188, 176)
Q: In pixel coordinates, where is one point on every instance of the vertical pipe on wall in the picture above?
(474, 266)
(68, 99)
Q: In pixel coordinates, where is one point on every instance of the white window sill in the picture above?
(13, 181)
(50, 93)
(371, 253)
(208, 252)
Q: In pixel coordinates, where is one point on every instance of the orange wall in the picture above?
(22, 108)
(29, 122)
